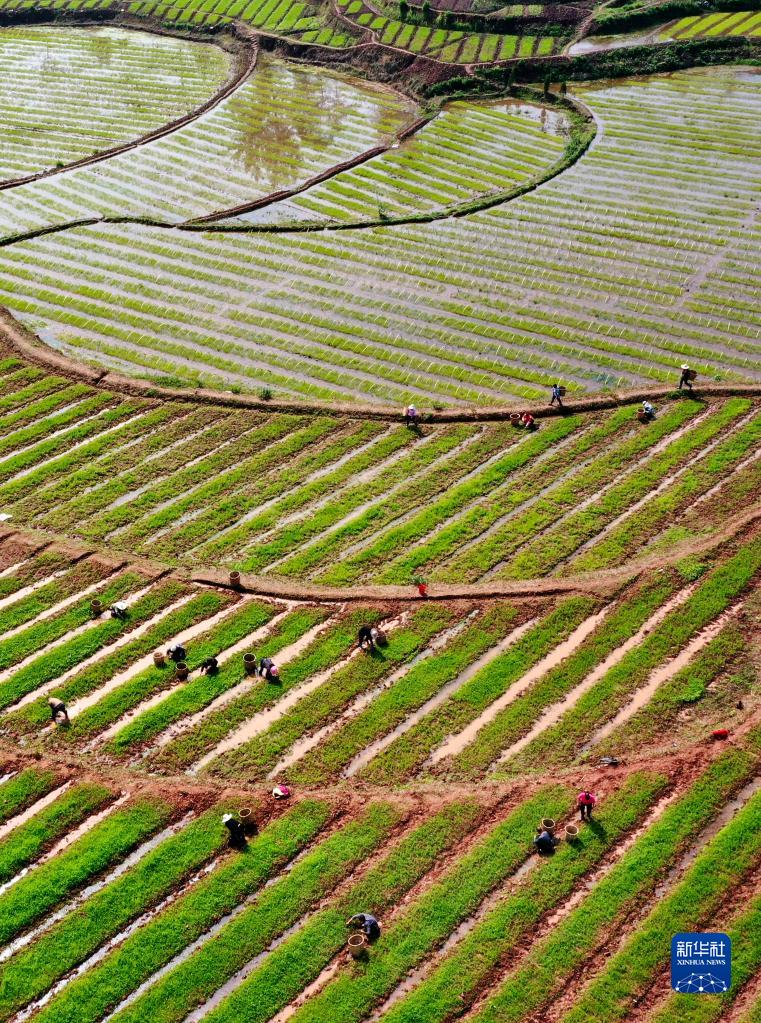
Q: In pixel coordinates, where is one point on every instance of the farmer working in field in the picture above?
(411, 415)
(545, 843)
(177, 652)
(586, 802)
(268, 669)
(366, 637)
(685, 380)
(58, 712)
(556, 396)
(235, 828)
(365, 922)
(210, 666)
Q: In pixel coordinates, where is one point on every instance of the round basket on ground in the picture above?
(182, 670)
(571, 832)
(235, 579)
(159, 659)
(96, 608)
(246, 816)
(249, 664)
(515, 418)
(357, 945)
(547, 824)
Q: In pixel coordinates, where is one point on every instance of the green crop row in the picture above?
(711, 879)
(424, 476)
(113, 478)
(455, 497)
(516, 719)
(37, 568)
(301, 959)
(31, 420)
(242, 534)
(589, 481)
(50, 666)
(321, 655)
(392, 706)
(26, 436)
(153, 680)
(409, 752)
(39, 635)
(559, 955)
(82, 575)
(630, 536)
(552, 547)
(558, 744)
(259, 491)
(203, 605)
(132, 426)
(279, 907)
(418, 930)
(90, 997)
(495, 939)
(324, 704)
(200, 692)
(108, 842)
(27, 842)
(20, 791)
(661, 713)
(35, 969)
(258, 453)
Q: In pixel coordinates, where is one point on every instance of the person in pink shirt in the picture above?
(586, 802)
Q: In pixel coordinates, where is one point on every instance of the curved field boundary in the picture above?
(603, 583)
(27, 345)
(246, 58)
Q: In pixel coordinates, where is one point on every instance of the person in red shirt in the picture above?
(586, 802)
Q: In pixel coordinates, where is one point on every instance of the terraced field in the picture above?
(610, 274)
(66, 95)
(573, 606)
(344, 502)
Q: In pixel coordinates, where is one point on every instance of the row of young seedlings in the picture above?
(269, 949)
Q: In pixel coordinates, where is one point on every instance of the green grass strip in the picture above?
(203, 605)
(661, 713)
(743, 932)
(456, 496)
(624, 541)
(279, 907)
(31, 421)
(27, 842)
(556, 958)
(82, 575)
(407, 754)
(543, 513)
(107, 843)
(328, 648)
(431, 918)
(324, 704)
(393, 705)
(264, 487)
(547, 550)
(711, 880)
(299, 961)
(516, 719)
(201, 691)
(23, 789)
(272, 548)
(36, 569)
(48, 666)
(39, 635)
(90, 997)
(560, 743)
(33, 970)
(25, 436)
(456, 981)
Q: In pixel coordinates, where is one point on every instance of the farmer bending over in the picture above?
(268, 669)
(177, 652)
(58, 712)
(685, 380)
(545, 843)
(365, 922)
(210, 666)
(366, 637)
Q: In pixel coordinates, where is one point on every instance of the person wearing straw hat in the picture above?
(685, 380)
